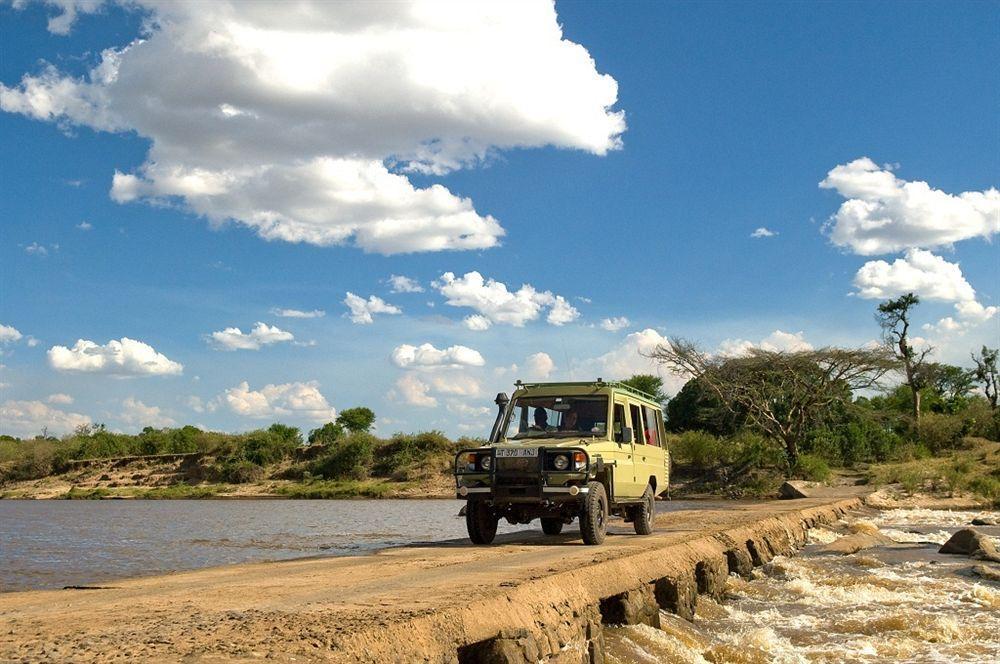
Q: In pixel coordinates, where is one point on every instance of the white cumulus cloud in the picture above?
(302, 120)
(26, 419)
(920, 272)
(362, 311)
(538, 366)
(59, 398)
(125, 357)
(886, 214)
(232, 338)
(402, 284)
(777, 341)
(412, 390)
(763, 232)
(496, 304)
(297, 313)
(426, 356)
(293, 400)
(136, 414)
(614, 324)
(9, 334)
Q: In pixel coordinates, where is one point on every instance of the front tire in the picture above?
(480, 522)
(642, 515)
(594, 515)
(551, 526)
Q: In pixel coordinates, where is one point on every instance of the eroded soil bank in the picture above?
(529, 597)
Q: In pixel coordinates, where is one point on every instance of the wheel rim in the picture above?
(600, 517)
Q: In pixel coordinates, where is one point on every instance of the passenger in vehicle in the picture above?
(569, 421)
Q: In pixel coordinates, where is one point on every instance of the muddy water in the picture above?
(51, 544)
(901, 602)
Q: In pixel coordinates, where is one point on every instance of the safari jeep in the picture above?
(561, 451)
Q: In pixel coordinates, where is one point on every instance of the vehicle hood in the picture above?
(574, 441)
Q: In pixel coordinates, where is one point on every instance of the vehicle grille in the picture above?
(516, 465)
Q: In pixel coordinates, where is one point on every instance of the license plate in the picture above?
(511, 452)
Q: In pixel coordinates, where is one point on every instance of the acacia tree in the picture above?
(781, 393)
(894, 318)
(986, 373)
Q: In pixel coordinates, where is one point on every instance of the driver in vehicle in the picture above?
(541, 420)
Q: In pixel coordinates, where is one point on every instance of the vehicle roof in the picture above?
(615, 386)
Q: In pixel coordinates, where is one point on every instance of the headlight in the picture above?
(561, 462)
(486, 462)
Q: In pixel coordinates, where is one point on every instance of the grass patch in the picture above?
(974, 470)
(340, 489)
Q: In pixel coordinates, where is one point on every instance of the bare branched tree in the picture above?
(894, 318)
(781, 393)
(986, 373)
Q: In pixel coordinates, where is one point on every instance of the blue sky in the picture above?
(735, 114)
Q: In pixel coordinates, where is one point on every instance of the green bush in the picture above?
(349, 459)
(811, 467)
(941, 432)
(697, 449)
(756, 451)
(406, 454)
(239, 471)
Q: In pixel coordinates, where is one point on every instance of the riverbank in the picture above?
(415, 602)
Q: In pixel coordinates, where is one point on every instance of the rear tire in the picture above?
(480, 522)
(594, 514)
(551, 526)
(642, 515)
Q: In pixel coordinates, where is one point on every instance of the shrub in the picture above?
(349, 459)
(811, 467)
(696, 448)
(240, 471)
(404, 454)
(756, 451)
(269, 446)
(327, 434)
(940, 432)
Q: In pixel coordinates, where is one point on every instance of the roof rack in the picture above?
(616, 384)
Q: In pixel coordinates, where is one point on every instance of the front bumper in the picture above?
(521, 480)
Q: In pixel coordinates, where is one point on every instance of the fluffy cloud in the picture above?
(126, 357)
(29, 418)
(362, 311)
(477, 323)
(615, 324)
(401, 284)
(85, 226)
(629, 357)
(9, 334)
(930, 277)
(763, 232)
(411, 390)
(885, 214)
(232, 338)
(62, 399)
(301, 120)
(295, 400)
(496, 304)
(135, 413)
(426, 356)
(538, 366)
(777, 341)
(920, 272)
(296, 313)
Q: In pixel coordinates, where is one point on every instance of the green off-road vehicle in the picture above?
(561, 451)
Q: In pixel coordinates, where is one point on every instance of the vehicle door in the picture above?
(651, 457)
(639, 457)
(625, 484)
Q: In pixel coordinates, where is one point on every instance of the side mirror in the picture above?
(627, 435)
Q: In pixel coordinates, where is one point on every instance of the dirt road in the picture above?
(417, 603)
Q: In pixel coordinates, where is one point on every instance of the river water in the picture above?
(903, 602)
(898, 603)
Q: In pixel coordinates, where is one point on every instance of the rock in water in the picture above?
(794, 489)
(988, 573)
(968, 542)
(985, 521)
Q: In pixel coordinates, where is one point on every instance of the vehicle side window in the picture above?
(652, 426)
(636, 424)
(619, 422)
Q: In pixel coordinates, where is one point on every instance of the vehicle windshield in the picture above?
(547, 417)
